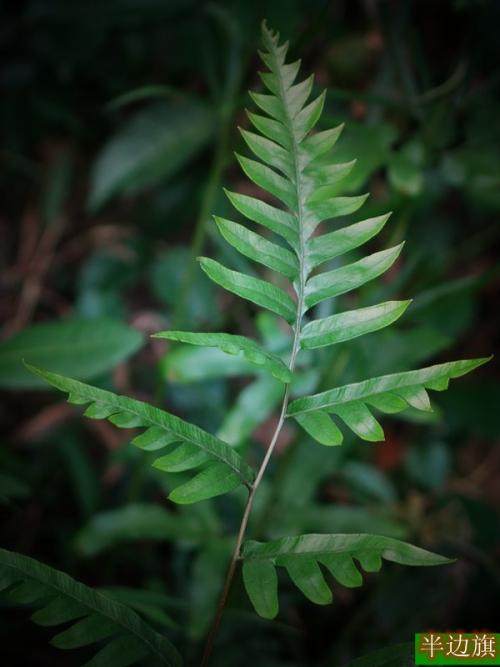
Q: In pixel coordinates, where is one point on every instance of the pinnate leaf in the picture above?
(322, 142)
(212, 481)
(261, 583)
(269, 180)
(351, 324)
(232, 344)
(278, 221)
(258, 248)
(306, 574)
(328, 246)
(320, 426)
(269, 152)
(339, 281)
(256, 290)
(387, 393)
(271, 128)
(303, 555)
(94, 616)
(127, 412)
(433, 377)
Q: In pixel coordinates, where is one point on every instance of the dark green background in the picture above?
(119, 120)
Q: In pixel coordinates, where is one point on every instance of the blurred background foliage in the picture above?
(119, 121)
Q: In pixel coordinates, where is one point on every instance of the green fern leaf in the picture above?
(256, 290)
(387, 393)
(267, 179)
(305, 555)
(232, 344)
(327, 209)
(270, 128)
(328, 246)
(296, 170)
(320, 426)
(300, 183)
(291, 172)
(278, 221)
(268, 151)
(193, 447)
(258, 248)
(94, 617)
(261, 583)
(320, 143)
(351, 324)
(339, 281)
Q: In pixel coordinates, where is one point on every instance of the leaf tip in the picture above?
(161, 334)
(397, 249)
(32, 369)
(405, 304)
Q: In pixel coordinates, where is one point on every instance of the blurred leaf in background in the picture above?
(151, 147)
(84, 348)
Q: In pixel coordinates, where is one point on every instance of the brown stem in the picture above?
(253, 489)
(241, 534)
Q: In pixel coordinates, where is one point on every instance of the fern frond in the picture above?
(339, 281)
(232, 344)
(351, 324)
(296, 170)
(300, 183)
(258, 248)
(328, 246)
(224, 468)
(276, 220)
(303, 557)
(94, 617)
(387, 393)
(260, 292)
(292, 169)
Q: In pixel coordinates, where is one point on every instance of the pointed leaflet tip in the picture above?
(203, 262)
(398, 248)
(405, 303)
(269, 38)
(34, 369)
